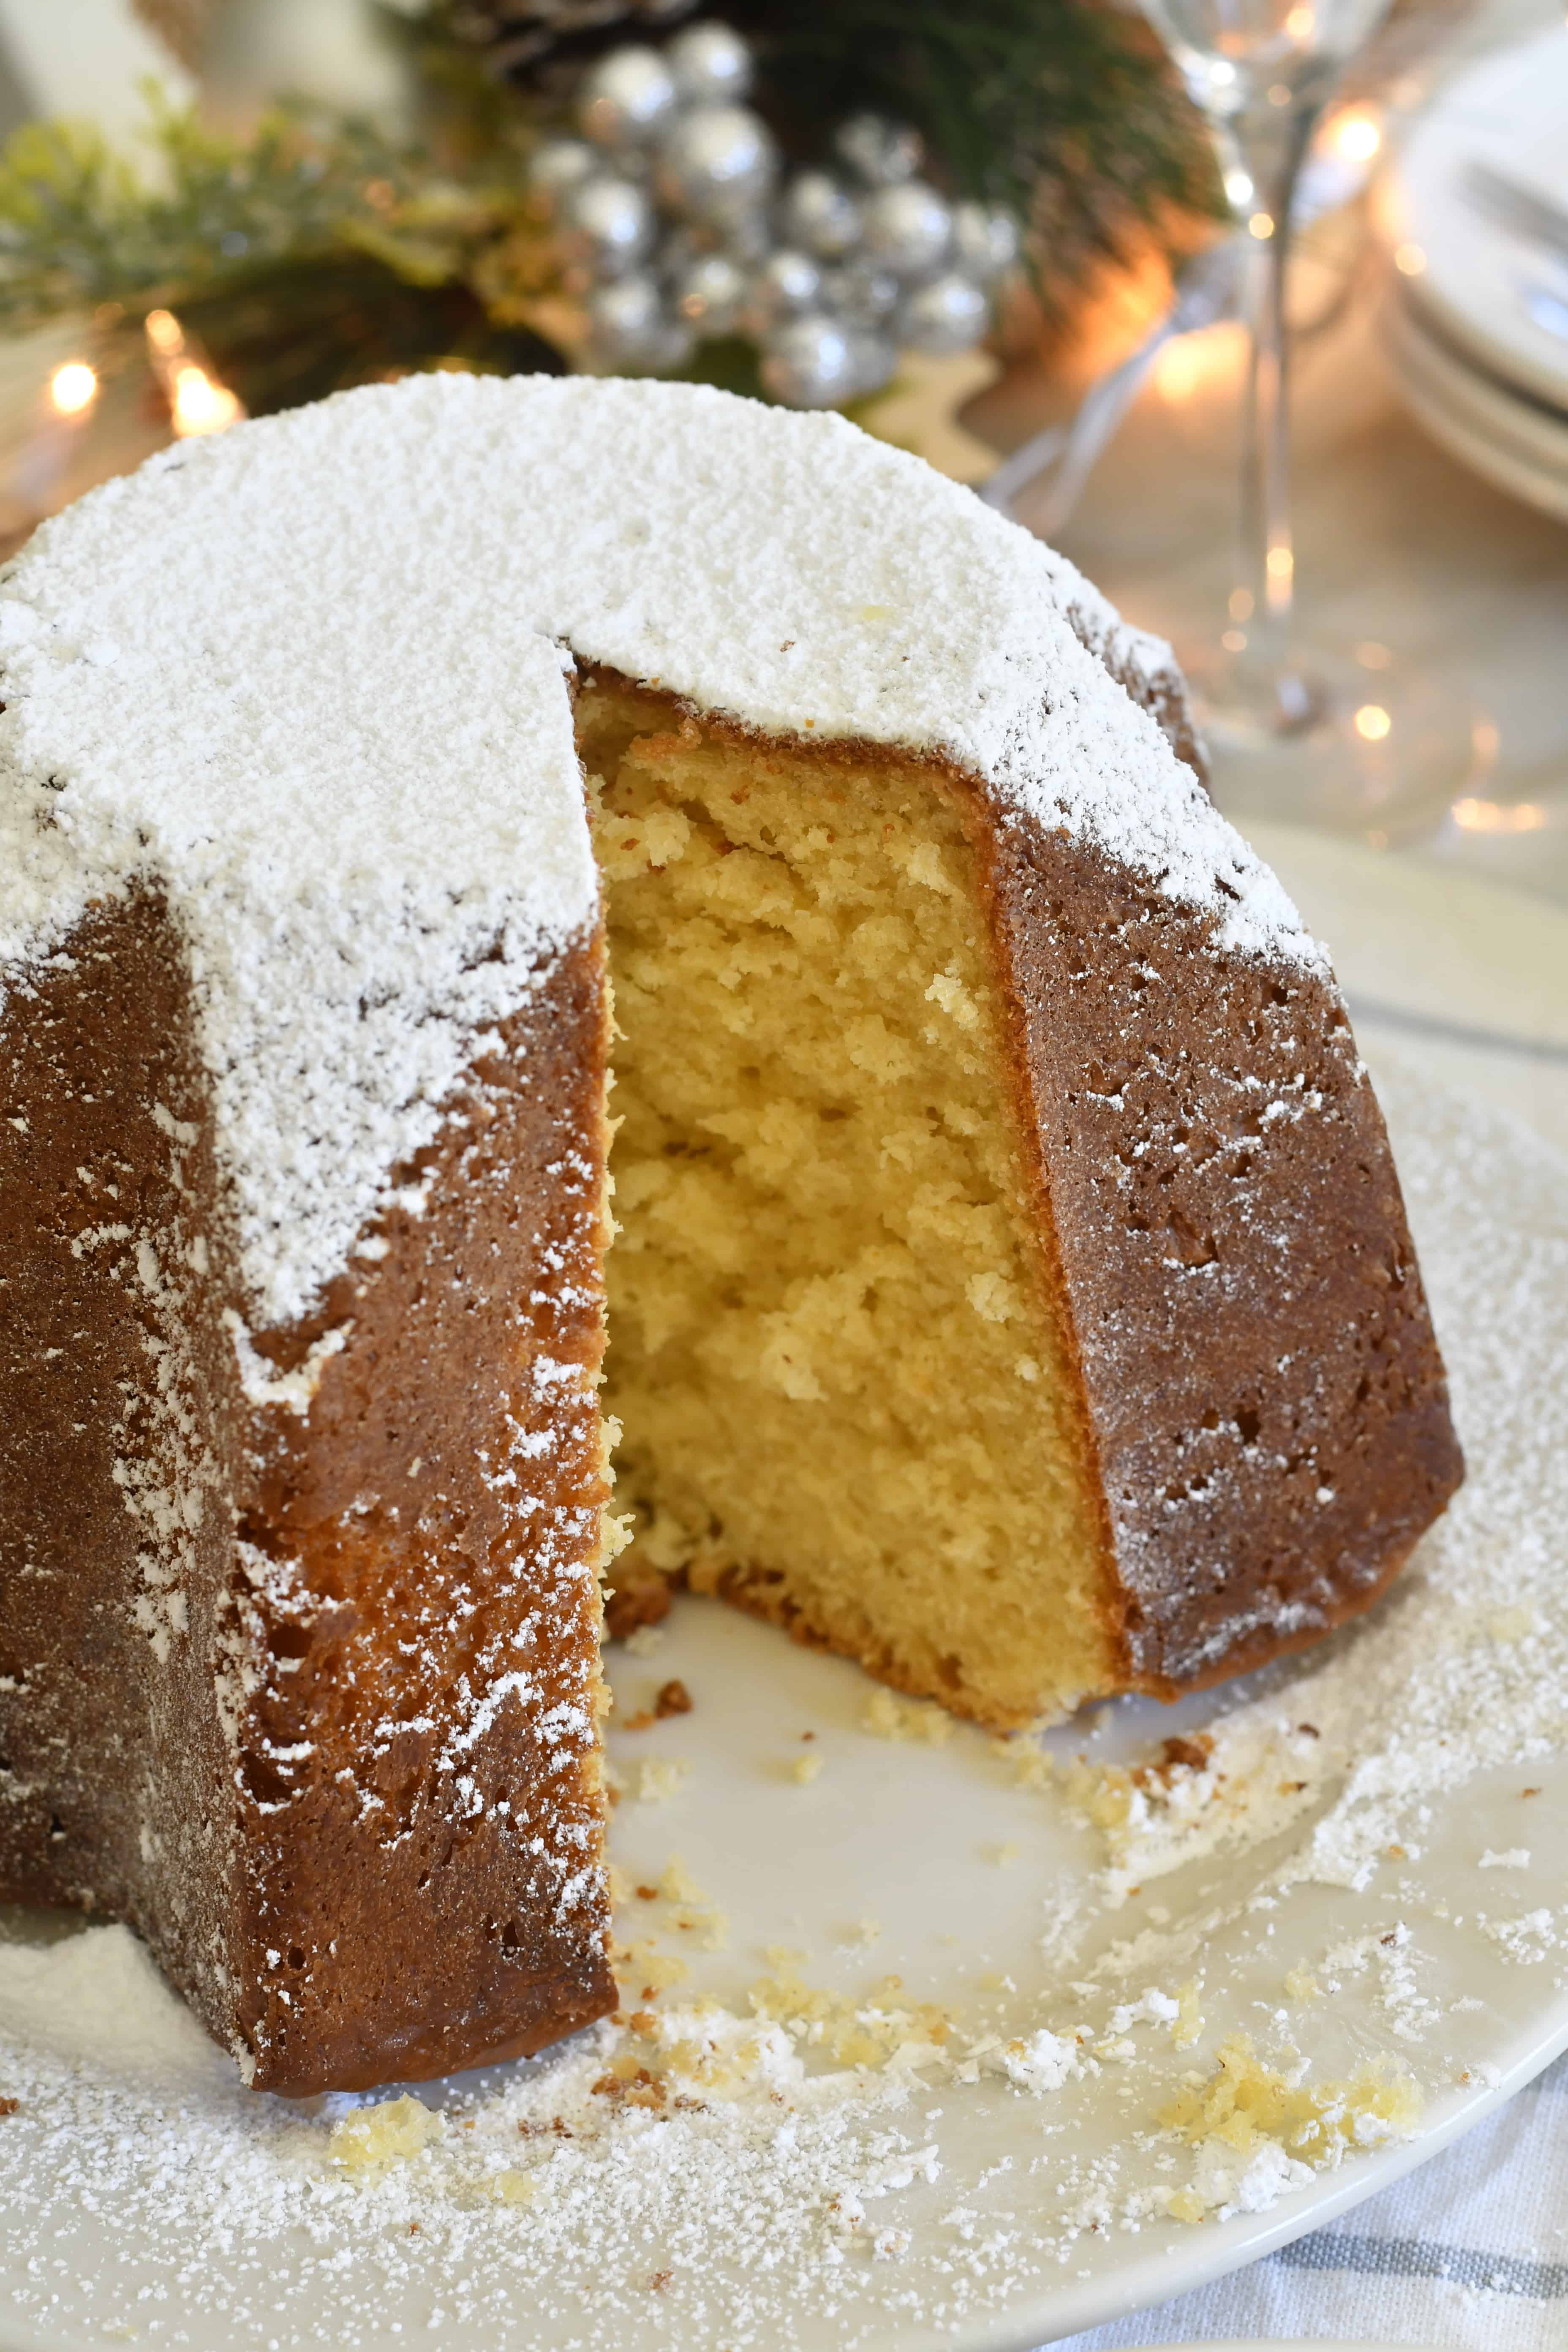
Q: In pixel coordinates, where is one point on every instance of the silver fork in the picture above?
(1526, 213)
(1524, 210)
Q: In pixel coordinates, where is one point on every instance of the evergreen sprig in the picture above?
(1064, 111)
(80, 225)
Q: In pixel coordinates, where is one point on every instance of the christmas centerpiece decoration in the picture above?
(798, 199)
(679, 223)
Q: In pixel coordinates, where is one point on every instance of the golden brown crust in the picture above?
(1268, 1402)
(393, 1870)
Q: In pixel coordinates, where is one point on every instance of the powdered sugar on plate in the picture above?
(307, 682)
(869, 2087)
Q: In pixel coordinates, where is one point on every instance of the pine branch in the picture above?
(79, 227)
(1064, 111)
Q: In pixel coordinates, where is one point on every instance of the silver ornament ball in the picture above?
(626, 98)
(609, 225)
(716, 163)
(820, 215)
(711, 64)
(786, 284)
(810, 362)
(628, 327)
(907, 228)
(946, 314)
(709, 293)
(748, 237)
(984, 242)
(860, 292)
(878, 151)
(874, 360)
(558, 165)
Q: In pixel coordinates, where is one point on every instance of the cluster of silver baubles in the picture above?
(676, 224)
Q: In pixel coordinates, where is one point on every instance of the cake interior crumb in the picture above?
(828, 1315)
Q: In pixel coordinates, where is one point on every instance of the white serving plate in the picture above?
(907, 1836)
(1507, 112)
(1523, 449)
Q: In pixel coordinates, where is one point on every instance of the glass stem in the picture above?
(1261, 174)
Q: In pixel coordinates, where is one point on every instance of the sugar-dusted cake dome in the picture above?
(1008, 1284)
(313, 678)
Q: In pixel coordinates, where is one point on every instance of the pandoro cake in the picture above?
(1007, 1282)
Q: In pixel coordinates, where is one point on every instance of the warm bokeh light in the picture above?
(1281, 563)
(1240, 605)
(200, 405)
(1234, 641)
(1206, 360)
(1302, 23)
(1373, 723)
(1498, 816)
(1355, 134)
(1409, 260)
(1373, 656)
(1261, 225)
(73, 388)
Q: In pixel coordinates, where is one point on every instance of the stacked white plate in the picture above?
(1479, 330)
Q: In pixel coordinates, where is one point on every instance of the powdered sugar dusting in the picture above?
(308, 681)
(1338, 1858)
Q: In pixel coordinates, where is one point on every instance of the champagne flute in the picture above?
(1296, 727)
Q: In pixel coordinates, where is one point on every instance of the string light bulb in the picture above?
(1498, 816)
(199, 402)
(1355, 134)
(73, 388)
(202, 404)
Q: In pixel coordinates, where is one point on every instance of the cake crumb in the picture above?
(9, 2106)
(373, 2139)
(677, 1884)
(511, 2187)
(806, 1768)
(653, 1971)
(671, 1698)
(646, 1640)
(920, 1720)
(1188, 2024)
(659, 1778)
(640, 1600)
(864, 1932)
(1247, 2104)
(1031, 1766)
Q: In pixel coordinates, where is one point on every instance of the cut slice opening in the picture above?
(845, 1393)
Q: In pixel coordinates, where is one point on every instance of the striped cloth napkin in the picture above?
(1469, 2252)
